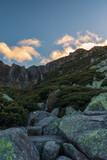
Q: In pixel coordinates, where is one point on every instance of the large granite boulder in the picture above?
(15, 145)
(50, 151)
(87, 133)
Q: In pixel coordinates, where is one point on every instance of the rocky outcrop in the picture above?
(18, 76)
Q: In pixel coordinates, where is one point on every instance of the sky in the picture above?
(35, 32)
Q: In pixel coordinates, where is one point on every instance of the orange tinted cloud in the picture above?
(28, 42)
(19, 54)
(58, 54)
(45, 61)
(65, 39)
(86, 41)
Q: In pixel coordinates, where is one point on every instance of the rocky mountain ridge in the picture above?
(18, 76)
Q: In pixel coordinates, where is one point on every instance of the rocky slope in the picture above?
(77, 62)
(75, 136)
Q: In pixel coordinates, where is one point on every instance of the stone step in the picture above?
(45, 138)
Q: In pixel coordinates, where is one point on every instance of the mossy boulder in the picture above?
(98, 103)
(80, 130)
(15, 145)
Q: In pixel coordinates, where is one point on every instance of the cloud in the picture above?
(59, 54)
(29, 42)
(93, 35)
(70, 44)
(45, 61)
(19, 54)
(65, 39)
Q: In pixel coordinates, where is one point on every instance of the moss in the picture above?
(6, 149)
(32, 122)
(99, 139)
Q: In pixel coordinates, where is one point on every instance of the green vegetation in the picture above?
(11, 114)
(71, 78)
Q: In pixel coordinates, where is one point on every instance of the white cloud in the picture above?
(19, 54)
(93, 35)
(29, 42)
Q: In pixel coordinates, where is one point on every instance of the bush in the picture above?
(11, 114)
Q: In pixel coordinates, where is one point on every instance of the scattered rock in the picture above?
(50, 151)
(71, 152)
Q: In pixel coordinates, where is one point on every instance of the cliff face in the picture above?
(18, 76)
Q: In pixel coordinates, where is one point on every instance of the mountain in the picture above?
(80, 67)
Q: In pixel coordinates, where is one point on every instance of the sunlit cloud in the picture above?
(45, 61)
(29, 42)
(59, 54)
(65, 39)
(19, 54)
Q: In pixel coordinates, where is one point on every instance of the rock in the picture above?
(45, 121)
(45, 138)
(55, 111)
(71, 152)
(50, 151)
(88, 133)
(15, 145)
(94, 144)
(41, 105)
(69, 110)
(37, 116)
(34, 131)
(5, 96)
(51, 99)
(63, 158)
(98, 103)
(52, 128)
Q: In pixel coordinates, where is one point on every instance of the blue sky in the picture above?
(33, 32)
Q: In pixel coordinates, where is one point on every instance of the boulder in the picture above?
(45, 138)
(71, 152)
(51, 99)
(34, 131)
(63, 158)
(15, 145)
(87, 133)
(45, 121)
(98, 103)
(55, 112)
(50, 151)
(52, 128)
(69, 110)
(35, 117)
